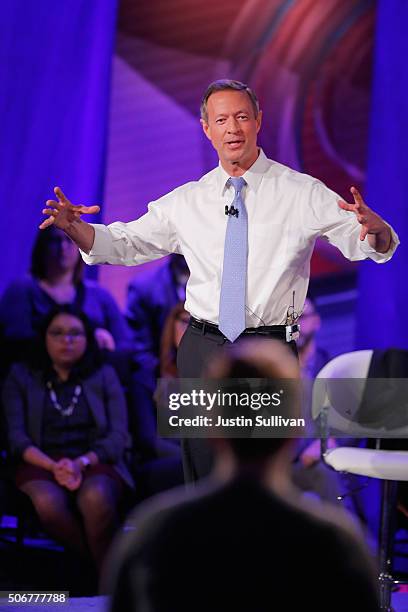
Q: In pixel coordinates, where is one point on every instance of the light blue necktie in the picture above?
(234, 275)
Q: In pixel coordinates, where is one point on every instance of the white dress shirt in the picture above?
(287, 211)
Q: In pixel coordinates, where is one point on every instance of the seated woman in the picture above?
(67, 427)
(56, 277)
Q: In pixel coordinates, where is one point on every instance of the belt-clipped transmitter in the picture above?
(292, 332)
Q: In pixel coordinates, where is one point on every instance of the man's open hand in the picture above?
(371, 223)
(62, 213)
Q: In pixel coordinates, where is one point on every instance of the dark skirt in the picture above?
(26, 472)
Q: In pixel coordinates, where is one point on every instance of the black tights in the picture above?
(84, 520)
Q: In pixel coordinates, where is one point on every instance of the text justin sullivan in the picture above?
(259, 421)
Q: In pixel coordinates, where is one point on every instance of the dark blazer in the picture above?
(23, 401)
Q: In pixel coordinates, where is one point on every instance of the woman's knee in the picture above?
(98, 497)
(49, 500)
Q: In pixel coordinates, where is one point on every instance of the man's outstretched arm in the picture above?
(67, 216)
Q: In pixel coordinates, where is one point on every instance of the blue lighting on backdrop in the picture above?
(55, 66)
(383, 294)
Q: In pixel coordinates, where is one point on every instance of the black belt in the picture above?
(288, 332)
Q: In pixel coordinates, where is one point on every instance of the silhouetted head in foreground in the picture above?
(273, 362)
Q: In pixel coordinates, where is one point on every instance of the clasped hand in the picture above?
(67, 474)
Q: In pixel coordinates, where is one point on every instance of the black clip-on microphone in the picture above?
(231, 211)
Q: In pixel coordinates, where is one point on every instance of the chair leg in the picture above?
(387, 532)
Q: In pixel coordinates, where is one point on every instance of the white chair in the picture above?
(337, 396)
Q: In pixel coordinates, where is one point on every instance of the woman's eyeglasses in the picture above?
(61, 334)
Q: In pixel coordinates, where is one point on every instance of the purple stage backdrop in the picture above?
(384, 289)
(55, 66)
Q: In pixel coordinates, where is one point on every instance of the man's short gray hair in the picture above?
(225, 85)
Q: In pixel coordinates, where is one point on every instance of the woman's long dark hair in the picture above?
(41, 252)
(90, 361)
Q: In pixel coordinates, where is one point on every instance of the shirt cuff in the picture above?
(101, 246)
(380, 257)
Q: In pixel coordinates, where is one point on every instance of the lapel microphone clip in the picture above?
(231, 211)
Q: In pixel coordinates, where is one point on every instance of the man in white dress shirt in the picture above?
(286, 210)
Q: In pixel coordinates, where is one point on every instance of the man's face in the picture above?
(232, 127)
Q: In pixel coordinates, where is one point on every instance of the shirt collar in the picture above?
(253, 176)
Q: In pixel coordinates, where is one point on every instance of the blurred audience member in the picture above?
(67, 429)
(153, 447)
(310, 474)
(236, 542)
(151, 296)
(311, 356)
(163, 469)
(173, 330)
(56, 277)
